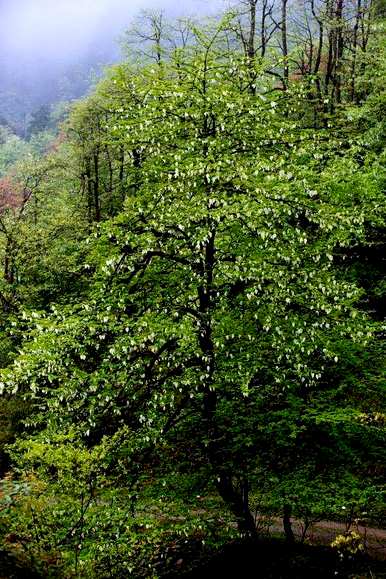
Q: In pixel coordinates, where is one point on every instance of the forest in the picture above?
(193, 305)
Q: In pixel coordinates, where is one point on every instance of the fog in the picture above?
(64, 29)
(49, 47)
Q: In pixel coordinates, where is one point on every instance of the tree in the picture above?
(150, 31)
(219, 282)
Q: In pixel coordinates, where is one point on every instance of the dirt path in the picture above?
(324, 532)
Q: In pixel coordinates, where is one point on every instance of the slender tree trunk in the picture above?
(111, 172)
(121, 174)
(331, 58)
(252, 30)
(366, 21)
(158, 51)
(284, 41)
(263, 31)
(310, 62)
(319, 49)
(250, 46)
(9, 261)
(318, 59)
(339, 50)
(97, 204)
(89, 190)
(158, 33)
(365, 26)
(7, 267)
(354, 50)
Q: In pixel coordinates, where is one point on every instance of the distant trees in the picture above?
(40, 121)
(101, 163)
(325, 42)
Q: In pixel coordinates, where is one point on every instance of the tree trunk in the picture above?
(319, 50)
(89, 190)
(97, 203)
(111, 172)
(331, 58)
(121, 172)
(250, 46)
(354, 49)
(339, 51)
(206, 300)
(9, 269)
(287, 525)
(252, 29)
(316, 69)
(238, 506)
(284, 41)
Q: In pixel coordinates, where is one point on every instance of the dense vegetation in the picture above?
(193, 295)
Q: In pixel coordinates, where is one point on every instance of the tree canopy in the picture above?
(193, 297)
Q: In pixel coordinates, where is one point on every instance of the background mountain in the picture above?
(51, 51)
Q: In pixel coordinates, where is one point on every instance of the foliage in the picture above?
(192, 312)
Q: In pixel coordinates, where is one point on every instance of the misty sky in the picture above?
(63, 30)
(50, 49)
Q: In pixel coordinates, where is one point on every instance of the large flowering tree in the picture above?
(217, 306)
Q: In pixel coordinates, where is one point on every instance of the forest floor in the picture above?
(324, 532)
(270, 558)
(273, 558)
